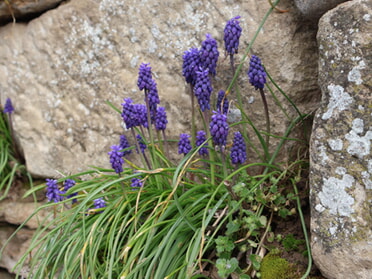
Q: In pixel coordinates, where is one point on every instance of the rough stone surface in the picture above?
(341, 160)
(314, 9)
(60, 68)
(14, 210)
(16, 248)
(16, 213)
(20, 9)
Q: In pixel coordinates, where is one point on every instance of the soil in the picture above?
(292, 226)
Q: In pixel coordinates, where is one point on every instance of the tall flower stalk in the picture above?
(232, 34)
(191, 64)
(257, 77)
(146, 83)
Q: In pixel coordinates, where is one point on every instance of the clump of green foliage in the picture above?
(185, 218)
(290, 243)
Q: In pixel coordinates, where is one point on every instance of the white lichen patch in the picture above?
(339, 100)
(322, 153)
(340, 171)
(320, 208)
(359, 145)
(334, 196)
(366, 176)
(335, 144)
(332, 230)
(354, 75)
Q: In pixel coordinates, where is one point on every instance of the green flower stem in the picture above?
(232, 63)
(282, 141)
(193, 128)
(304, 231)
(211, 152)
(150, 131)
(282, 92)
(267, 116)
(165, 143)
(142, 155)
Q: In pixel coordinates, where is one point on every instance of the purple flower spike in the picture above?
(141, 115)
(203, 89)
(184, 145)
(141, 143)
(209, 54)
(129, 113)
(8, 107)
(200, 139)
(124, 144)
(221, 97)
(232, 34)
(144, 77)
(99, 203)
(136, 183)
(53, 193)
(161, 119)
(134, 114)
(219, 129)
(256, 73)
(116, 158)
(67, 185)
(191, 63)
(153, 98)
(238, 151)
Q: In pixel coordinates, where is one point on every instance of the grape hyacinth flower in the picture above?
(116, 158)
(161, 119)
(225, 106)
(53, 193)
(232, 34)
(134, 114)
(153, 97)
(141, 115)
(124, 144)
(200, 139)
(257, 77)
(238, 153)
(99, 203)
(144, 77)
(191, 63)
(129, 113)
(256, 73)
(141, 143)
(184, 144)
(219, 129)
(203, 89)
(67, 184)
(209, 54)
(8, 107)
(136, 183)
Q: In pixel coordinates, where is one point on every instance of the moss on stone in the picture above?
(275, 267)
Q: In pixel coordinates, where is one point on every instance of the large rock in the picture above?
(60, 69)
(15, 248)
(314, 9)
(341, 160)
